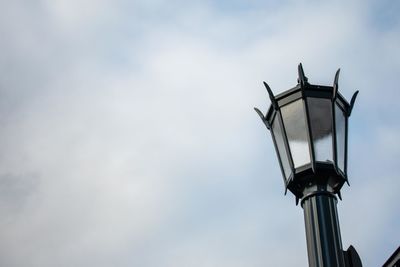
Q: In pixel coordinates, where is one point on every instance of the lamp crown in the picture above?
(309, 128)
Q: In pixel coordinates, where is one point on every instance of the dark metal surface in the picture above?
(316, 172)
(302, 80)
(315, 182)
(336, 84)
(324, 243)
(394, 259)
(352, 101)
(271, 96)
(352, 258)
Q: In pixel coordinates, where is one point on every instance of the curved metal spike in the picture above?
(264, 120)
(302, 80)
(336, 84)
(339, 195)
(271, 96)
(259, 113)
(352, 101)
(297, 200)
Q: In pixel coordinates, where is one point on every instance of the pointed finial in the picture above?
(271, 96)
(352, 101)
(336, 84)
(264, 120)
(302, 80)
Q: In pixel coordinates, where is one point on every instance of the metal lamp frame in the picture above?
(316, 172)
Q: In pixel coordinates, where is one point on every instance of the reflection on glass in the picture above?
(340, 136)
(320, 112)
(277, 131)
(296, 131)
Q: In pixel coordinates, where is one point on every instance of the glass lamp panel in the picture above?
(279, 141)
(320, 113)
(293, 116)
(340, 137)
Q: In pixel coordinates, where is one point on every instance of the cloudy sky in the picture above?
(128, 135)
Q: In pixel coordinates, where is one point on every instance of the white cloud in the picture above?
(128, 135)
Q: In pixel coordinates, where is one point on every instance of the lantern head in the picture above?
(309, 128)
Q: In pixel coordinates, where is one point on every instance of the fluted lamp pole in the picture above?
(309, 128)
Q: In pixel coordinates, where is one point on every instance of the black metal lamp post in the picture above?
(309, 126)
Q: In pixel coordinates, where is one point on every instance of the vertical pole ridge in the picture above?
(322, 231)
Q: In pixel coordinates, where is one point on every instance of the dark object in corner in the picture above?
(394, 259)
(352, 258)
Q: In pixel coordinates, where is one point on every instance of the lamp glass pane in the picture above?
(295, 125)
(320, 112)
(282, 154)
(340, 136)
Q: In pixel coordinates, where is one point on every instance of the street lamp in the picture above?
(309, 127)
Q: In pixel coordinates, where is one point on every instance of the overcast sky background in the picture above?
(128, 135)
